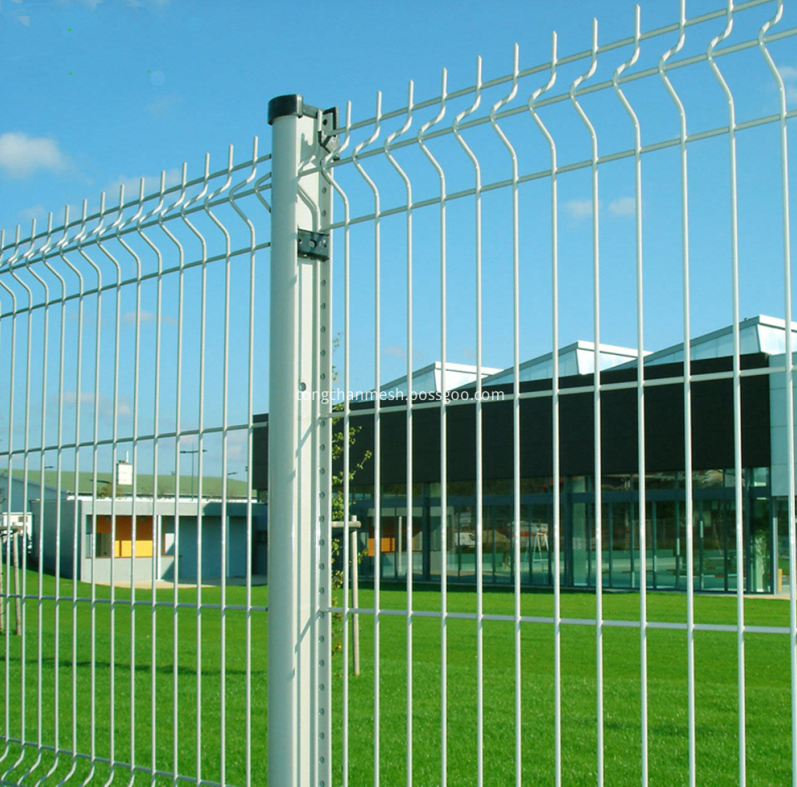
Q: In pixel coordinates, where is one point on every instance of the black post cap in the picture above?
(289, 105)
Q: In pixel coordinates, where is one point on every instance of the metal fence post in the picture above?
(299, 447)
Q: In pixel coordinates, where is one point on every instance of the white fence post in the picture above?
(299, 449)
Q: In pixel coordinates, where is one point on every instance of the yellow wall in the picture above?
(123, 546)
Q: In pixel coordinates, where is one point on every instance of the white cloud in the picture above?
(123, 408)
(86, 398)
(163, 104)
(92, 4)
(141, 3)
(129, 318)
(581, 209)
(106, 410)
(789, 75)
(25, 20)
(39, 212)
(36, 212)
(578, 209)
(394, 351)
(623, 206)
(151, 184)
(20, 155)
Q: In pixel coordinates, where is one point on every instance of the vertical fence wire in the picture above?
(342, 482)
(515, 407)
(556, 479)
(643, 630)
(114, 436)
(249, 436)
(440, 172)
(75, 534)
(477, 249)
(409, 517)
(199, 449)
(598, 475)
(479, 480)
(377, 456)
(4, 610)
(737, 391)
(40, 578)
(20, 600)
(95, 435)
(789, 366)
(153, 627)
(178, 361)
(224, 523)
(56, 637)
(687, 393)
(346, 471)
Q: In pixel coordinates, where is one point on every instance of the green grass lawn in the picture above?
(87, 660)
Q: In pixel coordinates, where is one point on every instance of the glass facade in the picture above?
(416, 539)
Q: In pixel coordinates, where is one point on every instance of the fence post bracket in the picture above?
(313, 245)
(294, 104)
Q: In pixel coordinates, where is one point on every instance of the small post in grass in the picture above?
(2, 590)
(355, 598)
(15, 533)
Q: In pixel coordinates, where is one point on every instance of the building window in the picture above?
(122, 545)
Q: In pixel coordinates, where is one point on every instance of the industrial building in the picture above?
(94, 539)
(764, 476)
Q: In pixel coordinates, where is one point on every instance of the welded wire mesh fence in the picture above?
(128, 352)
(562, 305)
(498, 252)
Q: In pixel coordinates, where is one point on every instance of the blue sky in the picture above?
(98, 92)
(101, 93)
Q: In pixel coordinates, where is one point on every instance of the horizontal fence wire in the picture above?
(596, 206)
(133, 536)
(652, 624)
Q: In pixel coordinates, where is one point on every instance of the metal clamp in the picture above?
(294, 104)
(314, 245)
(328, 135)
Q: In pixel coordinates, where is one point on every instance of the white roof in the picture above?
(576, 358)
(759, 334)
(429, 379)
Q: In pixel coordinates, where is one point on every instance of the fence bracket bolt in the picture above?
(314, 245)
